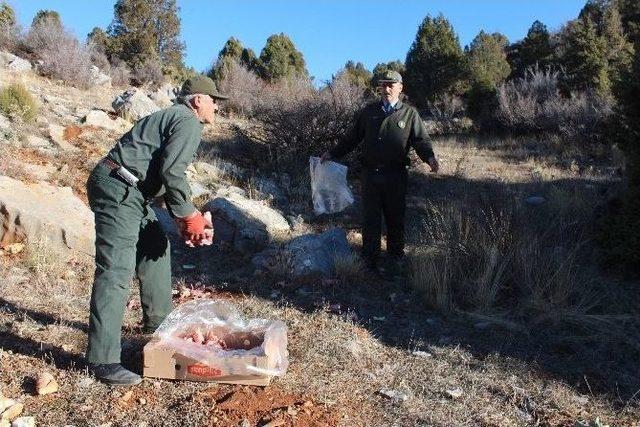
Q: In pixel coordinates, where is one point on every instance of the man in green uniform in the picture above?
(148, 161)
(387, 129)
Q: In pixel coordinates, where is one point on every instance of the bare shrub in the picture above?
(534, 103)
(61, 55)
(297, 120)
(120, 73)
(446, 111)
(244, 87)
(148, 72)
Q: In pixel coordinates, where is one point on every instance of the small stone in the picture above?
(126, 397)
(581, 400)
(534, 200)
(454, 393)
(46, 383)
(14, 248)
(12, 412)
(393, 394)
(85, 382)
(423, 354)
(142, 401)
(188, 266)
(245, 423)
(5, 403)
(24, 422)
(380, 318)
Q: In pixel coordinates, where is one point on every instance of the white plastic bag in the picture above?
(218, 321)
(329, 190)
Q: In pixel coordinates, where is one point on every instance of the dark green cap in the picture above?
(390, 76)
(201, 85)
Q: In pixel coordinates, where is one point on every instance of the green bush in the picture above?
(17, 102)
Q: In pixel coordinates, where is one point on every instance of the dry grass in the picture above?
(349, 269)
(497, 263)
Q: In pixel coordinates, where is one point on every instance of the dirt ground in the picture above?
(363, 352)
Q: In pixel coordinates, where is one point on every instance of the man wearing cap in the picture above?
(387, 129)
(148, 161)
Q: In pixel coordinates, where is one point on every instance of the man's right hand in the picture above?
(194, 228)
(325, 156)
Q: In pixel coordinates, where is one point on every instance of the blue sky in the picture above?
(327, 32)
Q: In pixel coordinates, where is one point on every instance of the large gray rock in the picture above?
(102, 120)
(14, 63)
(247, 225)
(134, 105)
(164, 96)
(42, 211)
(308, 256)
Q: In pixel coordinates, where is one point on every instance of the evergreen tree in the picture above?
(488, 67)
(356, 74)
(534, 50)
(584, 55)
(435, 62)
(249, 60)
(100, 40)
(233, 51)
(7, 16)
(595, 50)
(8, 26)
(281, 59)
(143, 30)
(50, 16)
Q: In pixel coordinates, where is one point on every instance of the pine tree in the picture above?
(435, 62)
(594, 48)
(233, 51)
(356, 74)
(8, 26)
(142, 30)
(99, 39)
(488, 67)
(535, 50)
(45, 15)
(280, 59)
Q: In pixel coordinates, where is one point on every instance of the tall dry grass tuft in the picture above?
(530, 263)
(349, 269)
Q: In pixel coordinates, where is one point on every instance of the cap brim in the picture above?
(388, 81)
(222, 97)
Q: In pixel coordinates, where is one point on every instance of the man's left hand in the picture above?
(433, 164)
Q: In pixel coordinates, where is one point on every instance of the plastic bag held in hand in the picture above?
(329, 190)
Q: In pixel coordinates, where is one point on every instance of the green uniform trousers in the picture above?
(129, 240)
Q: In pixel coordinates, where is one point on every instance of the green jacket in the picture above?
(158, 150)
(386, 139)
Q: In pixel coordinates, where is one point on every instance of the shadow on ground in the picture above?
(398, 316)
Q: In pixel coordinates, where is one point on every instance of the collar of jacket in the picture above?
(396, 107)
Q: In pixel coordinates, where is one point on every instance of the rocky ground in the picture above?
(364, 351)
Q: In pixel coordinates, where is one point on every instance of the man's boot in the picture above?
(115, 374)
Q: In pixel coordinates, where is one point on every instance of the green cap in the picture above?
(390, 76)
(201, 85)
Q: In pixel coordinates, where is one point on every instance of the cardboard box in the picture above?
(163, 361)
